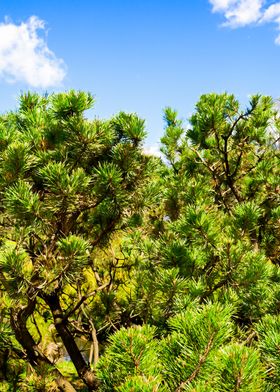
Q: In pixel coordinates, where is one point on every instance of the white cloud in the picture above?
(240, 13)
(152, 149)
(244, 12)
(25, 56)
(271, 14)
(221, 5)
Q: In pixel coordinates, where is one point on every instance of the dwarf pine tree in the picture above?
(166, 269)
(67, 184)
(208, 275)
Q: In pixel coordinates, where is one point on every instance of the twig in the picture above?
(201, 362)
(83, 299)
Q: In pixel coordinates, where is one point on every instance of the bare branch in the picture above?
(83, 299)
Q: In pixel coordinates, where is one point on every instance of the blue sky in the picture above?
(140, 55)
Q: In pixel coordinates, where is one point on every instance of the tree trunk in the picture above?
(68, 340)
(63, 384)
(34, 355)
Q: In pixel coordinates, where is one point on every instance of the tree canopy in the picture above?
(121, 271)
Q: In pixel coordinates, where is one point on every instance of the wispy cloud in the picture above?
(25, 56)
(239, 13)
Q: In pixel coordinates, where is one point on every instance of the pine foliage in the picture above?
(165, 268)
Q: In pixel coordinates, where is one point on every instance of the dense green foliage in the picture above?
(124, 272)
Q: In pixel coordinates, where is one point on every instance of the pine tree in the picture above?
(212, 242)
(67, 185)
(168, 268)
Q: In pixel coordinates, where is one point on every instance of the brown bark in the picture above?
(94, 349)
(63, 384)
(68, 340)
(4, 355)
(34, 355)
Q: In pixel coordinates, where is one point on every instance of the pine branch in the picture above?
(227, 170)
(83, 299)
(218, 285)
(201, 362)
